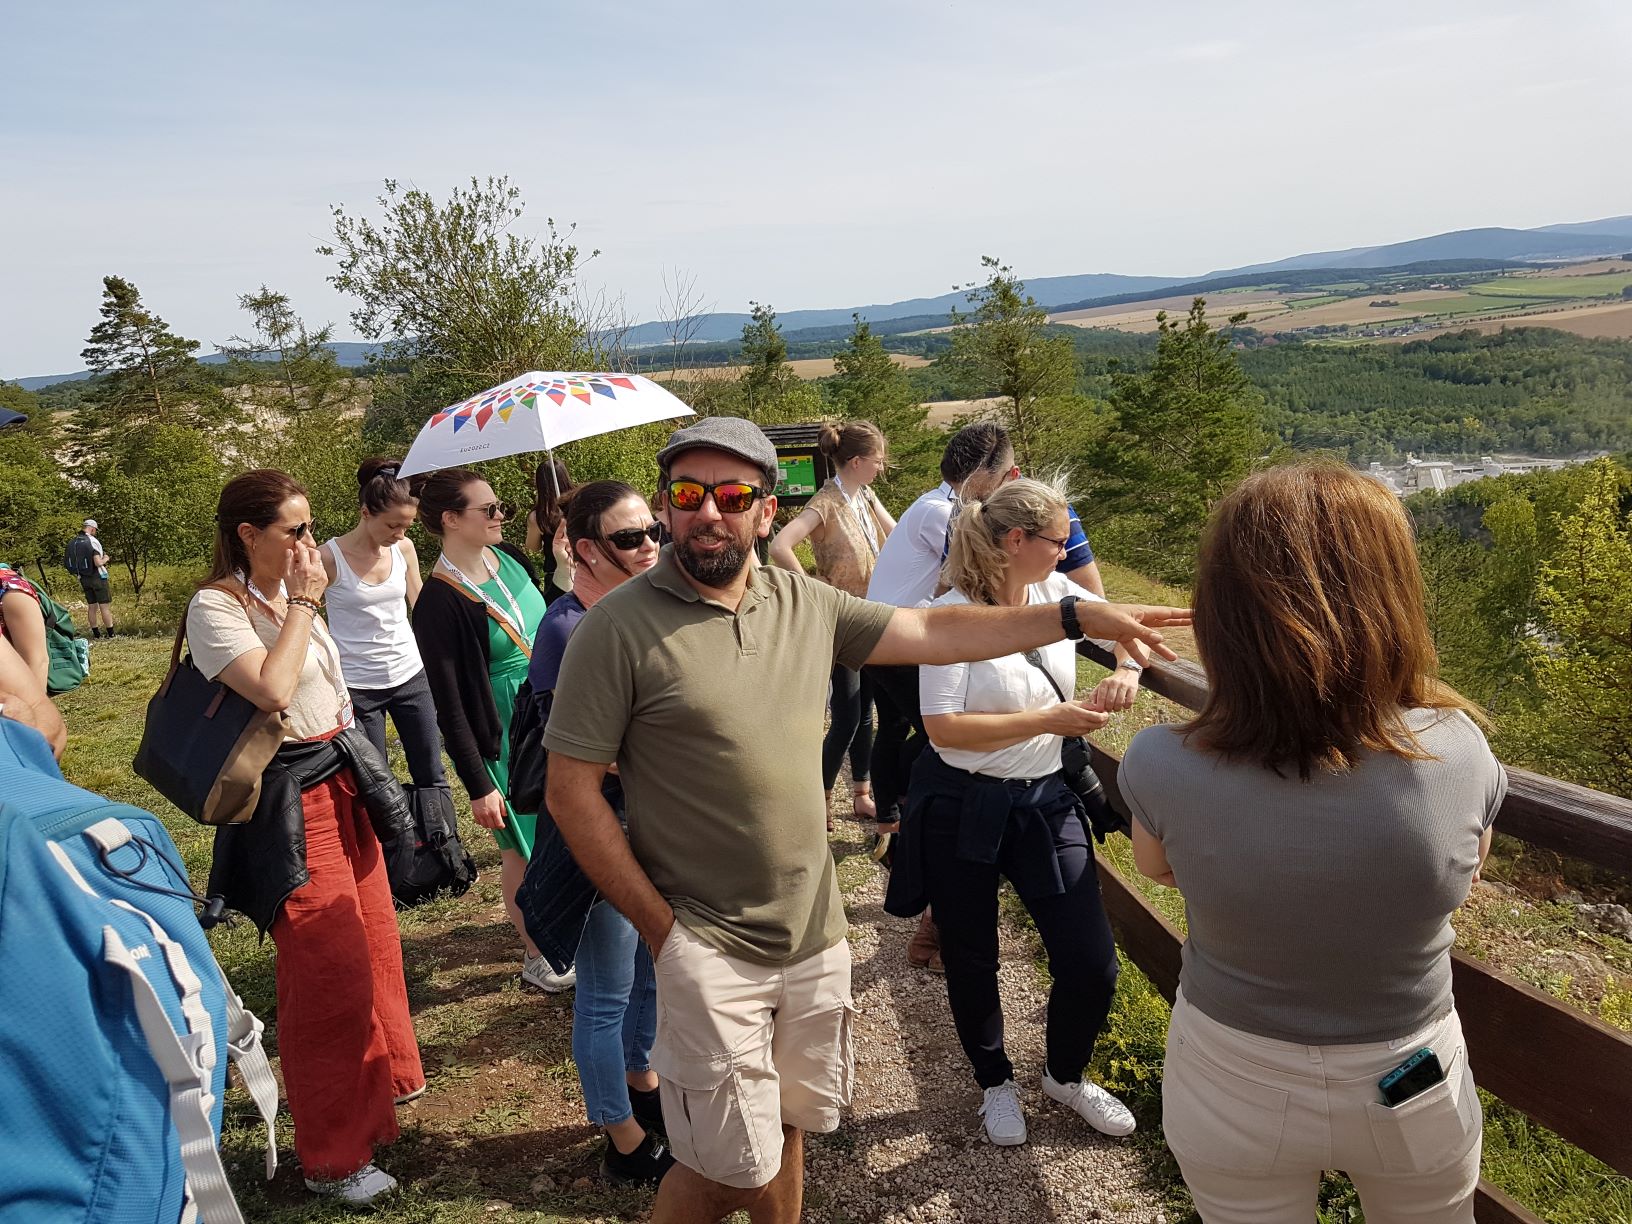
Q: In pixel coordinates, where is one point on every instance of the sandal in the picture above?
(865, 808)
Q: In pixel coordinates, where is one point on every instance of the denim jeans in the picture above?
(614, 1013)
(414, 714)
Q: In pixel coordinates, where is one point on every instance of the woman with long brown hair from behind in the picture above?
(1324, 815)
(307, 867)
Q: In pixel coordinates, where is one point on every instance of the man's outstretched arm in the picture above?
(964, 632)
(597, 841)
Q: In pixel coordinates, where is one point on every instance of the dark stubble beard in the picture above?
(716, 569)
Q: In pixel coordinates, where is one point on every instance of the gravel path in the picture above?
(912, 1148)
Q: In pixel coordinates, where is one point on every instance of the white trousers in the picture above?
(1254, 1122)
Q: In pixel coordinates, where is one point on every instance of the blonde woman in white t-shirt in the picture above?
(991, 800)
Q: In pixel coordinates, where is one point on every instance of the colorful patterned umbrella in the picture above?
(537, 412)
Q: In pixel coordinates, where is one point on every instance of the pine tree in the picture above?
(870, 386)
(1002, 346)
(772, 393)
(151, 372)
(280, 350)
(1584, 656)
(1183, 432)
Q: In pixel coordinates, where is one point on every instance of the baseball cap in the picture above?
(733, 435)
(91, 523)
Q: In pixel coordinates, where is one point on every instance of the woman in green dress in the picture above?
(474, 623)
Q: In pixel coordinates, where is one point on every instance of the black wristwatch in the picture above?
(1068, 618)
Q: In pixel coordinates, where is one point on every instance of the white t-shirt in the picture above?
(1007, 685)
(909, 565)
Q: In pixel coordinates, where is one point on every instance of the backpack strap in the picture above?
(509, 629)
(190, 1098)
(244, 1029)
(248, 1053)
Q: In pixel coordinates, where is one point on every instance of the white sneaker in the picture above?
(362, 1189)
(1005, 1124)
(411, 1096)
(1099, 1109)
(536, 972)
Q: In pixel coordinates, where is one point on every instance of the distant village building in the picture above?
(1415, 475)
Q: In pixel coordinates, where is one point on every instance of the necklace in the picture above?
(513, 617)
(328, 656)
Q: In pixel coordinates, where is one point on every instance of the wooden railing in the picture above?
(1568, 1070)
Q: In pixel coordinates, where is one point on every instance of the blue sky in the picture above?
(818, 155)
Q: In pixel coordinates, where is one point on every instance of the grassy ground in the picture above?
(502, 1136)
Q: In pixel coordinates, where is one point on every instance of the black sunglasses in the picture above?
(629, 538)
(493, 509)
(300, 531)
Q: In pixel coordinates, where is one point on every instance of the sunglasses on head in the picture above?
(493, 509)
(630, 538)
(730, 497)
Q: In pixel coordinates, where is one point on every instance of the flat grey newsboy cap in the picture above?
(733, 435)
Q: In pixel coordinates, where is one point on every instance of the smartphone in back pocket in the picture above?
(1416, 1074)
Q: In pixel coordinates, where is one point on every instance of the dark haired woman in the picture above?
(1324, 815)
(551, 484)
(308, 866)
(475, 622)
(846, 525)
(614, 1010)
(374, 580)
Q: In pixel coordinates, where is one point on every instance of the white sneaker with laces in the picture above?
(1005, 1123)
(1099, 1109)
(362, 1189)
(536, 972)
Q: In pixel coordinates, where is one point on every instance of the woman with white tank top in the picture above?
(373, 582)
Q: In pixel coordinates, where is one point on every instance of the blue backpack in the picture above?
(116, 1023)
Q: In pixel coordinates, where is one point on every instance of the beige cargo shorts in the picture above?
(744, 1049)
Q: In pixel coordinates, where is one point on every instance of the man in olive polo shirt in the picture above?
(705, 679)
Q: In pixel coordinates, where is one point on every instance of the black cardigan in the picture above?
(452, 634)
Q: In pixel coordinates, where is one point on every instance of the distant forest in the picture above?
(1526, 389)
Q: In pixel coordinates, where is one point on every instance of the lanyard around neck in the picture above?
(513, 617)
(863, 517)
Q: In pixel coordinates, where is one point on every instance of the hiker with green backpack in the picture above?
(42, 632)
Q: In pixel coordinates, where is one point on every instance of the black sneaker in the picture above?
(645, 1166)
(648, 1110)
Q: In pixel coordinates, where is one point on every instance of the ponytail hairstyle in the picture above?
(981, 447)
(254, 498)
(546, 503)
(977, 560)
(441, 492)
(379, 487)
(842, 443)
(585, 506)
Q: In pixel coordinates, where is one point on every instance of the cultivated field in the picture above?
(808, 368)
(1571, 298)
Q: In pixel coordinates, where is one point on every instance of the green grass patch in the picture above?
(1609, 284)
(1325, 299)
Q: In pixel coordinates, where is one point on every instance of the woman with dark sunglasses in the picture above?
(307, 868)
(475, 622)
(613, 538)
